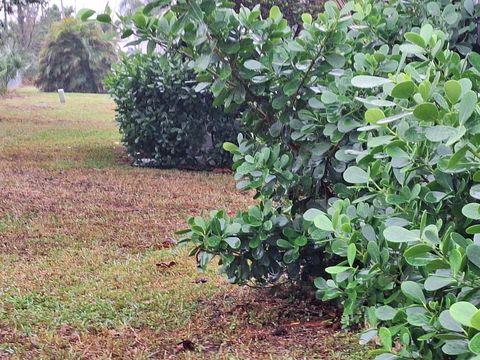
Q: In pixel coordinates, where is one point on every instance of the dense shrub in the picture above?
(456, 18)
(363, 151)
(165, 116)
(75, 57)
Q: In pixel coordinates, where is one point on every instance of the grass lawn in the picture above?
(83, 237)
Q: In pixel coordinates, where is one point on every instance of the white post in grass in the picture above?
(61, 95)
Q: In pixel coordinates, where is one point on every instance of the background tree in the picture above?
(76, 57)
(10, 63)
(38, 21)
(19, 10)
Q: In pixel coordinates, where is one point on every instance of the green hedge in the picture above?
(166, 117)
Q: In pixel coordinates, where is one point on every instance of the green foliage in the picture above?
(363, 152)
(32, 35)
(392, 19)
(292, 10)
(167, 116)
(75, 57)
(10, 63)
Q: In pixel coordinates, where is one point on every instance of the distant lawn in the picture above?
(80, 133)
(85, 246)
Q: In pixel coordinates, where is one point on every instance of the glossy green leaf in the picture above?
(284, 244)
(337, 269)
(475, 320)
(462, 312)
(439, 133)
(475, 191)
(355, 175)
(474, 229)
(253, 65)
(84, 14)
(473, 254)
(448, 322)
(233, 242)
(472, 211)
(453, 90)
(426, 32)
(385, 338)
(307, 18)
(328, 97)
(310, 214)
(467, 106)
(474, 59)
(275, 13)
(426, 112)
(415, 39)
(417, 250)
(368, 82)
(322, 222)
(104, 18)
(335, 60)
(351, 254)
(373, 115)
(457, 157)
(397, 234)
(435, 282)
(202, 62)
(413, 291)
(385, 313)
(231, 148)
(291, 87)
(455, 261)
(404, 90)
(393, 118)
(474, 344)
(139, 20)
(455, 347)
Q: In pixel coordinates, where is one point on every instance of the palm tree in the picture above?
(76, 57)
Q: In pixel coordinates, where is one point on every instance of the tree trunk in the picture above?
(21, 22)
(5, 26)
(62, 9)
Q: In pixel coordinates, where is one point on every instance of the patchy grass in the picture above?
(86, 265)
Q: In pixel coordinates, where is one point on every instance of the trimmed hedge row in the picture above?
(166, 118)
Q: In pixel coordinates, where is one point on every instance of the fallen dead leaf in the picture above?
(166, 264)
(168, 243)
(185, 345)
(280, 331)
(200, 280)
(68, 333)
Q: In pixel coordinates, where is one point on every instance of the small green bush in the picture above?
(166, 116)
